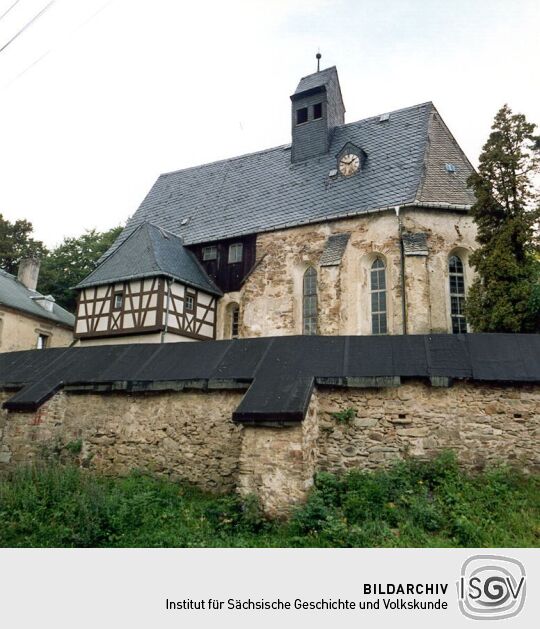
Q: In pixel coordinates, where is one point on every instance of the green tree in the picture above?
(505, 296)
(16, 243)
(72, 261)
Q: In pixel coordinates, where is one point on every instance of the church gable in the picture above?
(446, 167)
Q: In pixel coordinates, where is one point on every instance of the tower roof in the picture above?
(318, 80)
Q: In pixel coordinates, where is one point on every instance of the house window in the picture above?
(235, 321)
(209, 253)
(310, 301)
(42, 341)
(301, 115)
(190, 302)
(378, 297)
(457, 295)
(118, 301)
(317, 111)
(235, 252)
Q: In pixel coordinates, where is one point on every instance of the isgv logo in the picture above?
(491, 587)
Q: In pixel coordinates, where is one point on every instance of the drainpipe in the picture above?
(164, 332)
(402, 260)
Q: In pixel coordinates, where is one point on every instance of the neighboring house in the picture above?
(359, 228)
(28, 319)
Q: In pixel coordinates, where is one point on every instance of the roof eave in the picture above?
(310, 92)
(342, 216)
(139, 276)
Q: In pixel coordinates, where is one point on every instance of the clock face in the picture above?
(349, 164)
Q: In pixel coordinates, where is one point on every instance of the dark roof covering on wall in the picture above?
(280, 372)
(415, 244)
(263, 191)
(151, 251)
(334, 248)
(14, 294)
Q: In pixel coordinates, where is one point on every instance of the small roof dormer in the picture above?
(317, 107)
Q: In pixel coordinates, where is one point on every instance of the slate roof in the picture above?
(278, 372)
(263, 191)
(14, 294)
(317, 79)
(334, 248)
(150, 251)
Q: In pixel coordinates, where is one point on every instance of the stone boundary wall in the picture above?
(186, 435)
(190, 435)
(481, 423)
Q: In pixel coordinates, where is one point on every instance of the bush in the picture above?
(414, 503)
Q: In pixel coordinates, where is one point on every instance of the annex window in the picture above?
(457, 295)
(378, 298)
(190, 301)
(118, 300)
(301, 115)
(310, 301)
(235, 252)
(209, 253)
(42, 341)
(317, 111)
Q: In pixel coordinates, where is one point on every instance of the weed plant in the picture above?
(412, 504)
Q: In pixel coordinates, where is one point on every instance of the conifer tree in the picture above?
(505, 294)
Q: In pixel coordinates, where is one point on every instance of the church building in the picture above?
(359, 228)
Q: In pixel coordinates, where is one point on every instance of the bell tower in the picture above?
(316, 108)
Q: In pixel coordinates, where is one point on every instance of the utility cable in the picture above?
(8, 10)
(81, 25)
(27, 25)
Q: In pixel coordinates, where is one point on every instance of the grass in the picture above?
(413, 504)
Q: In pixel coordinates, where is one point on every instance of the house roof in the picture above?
(147, 252)
(278, 372)
(263, 191)
(14, 294)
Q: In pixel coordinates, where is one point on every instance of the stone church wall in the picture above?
(190, 435)
(271, 298)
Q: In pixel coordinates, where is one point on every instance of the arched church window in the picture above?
(233, 321)
(310, 301)
(457, 295)
(378, 298)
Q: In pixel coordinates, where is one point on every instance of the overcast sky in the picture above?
(98, 97)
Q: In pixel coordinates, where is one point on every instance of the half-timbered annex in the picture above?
(352, 228)
(151, 288)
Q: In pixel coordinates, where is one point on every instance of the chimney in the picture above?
(29, 272)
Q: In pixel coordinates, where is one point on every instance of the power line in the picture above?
(27, 25)
(8, 10)
(81, 25)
